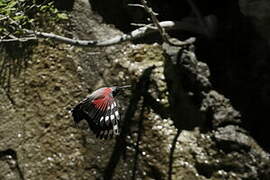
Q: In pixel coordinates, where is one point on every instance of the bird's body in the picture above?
(100, 110)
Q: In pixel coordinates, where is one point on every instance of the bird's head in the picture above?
(117, 89)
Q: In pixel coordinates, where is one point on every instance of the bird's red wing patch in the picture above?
(101, 103)
(103, 116)
(100, 110)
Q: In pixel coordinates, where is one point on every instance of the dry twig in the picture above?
(165, 36)
(137, 33)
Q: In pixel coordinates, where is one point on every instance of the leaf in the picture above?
(11, 4)
(44, 8)
(63, 16)
(2, 4)
(18, 18)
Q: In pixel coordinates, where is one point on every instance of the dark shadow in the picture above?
(64, 4)
(171, 154)
(239, 61)
(120, 145)
(10, 152)
(114, 12)
(137, 148)
(156, 106)
(13, 61)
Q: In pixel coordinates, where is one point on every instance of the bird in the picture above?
(100, 110)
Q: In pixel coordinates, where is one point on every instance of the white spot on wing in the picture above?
(117, 114)
(107, 120)
(112, 117)
(101, 119)
(115, 129)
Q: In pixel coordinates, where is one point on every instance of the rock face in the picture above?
(200, 137)
(236, 50)
(35, 120)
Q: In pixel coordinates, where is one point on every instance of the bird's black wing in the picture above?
(103, 121)
(114, 117)
(110, 120)
(78, 113)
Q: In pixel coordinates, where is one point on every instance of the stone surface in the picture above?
(40, 141)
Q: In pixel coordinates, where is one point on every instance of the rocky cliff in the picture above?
(192, 122)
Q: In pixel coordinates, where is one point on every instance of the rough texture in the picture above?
(38, 125)
(39, 140)
(217, 154)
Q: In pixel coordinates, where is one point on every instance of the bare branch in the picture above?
(139, 24)
(161, 30)
(13, 38)
(138, 33)
(24, 39)
(136, 5)
(165, 36)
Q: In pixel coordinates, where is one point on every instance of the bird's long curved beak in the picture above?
(122, 87)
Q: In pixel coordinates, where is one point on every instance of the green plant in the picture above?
(15, 15)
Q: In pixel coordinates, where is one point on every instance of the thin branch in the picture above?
(142, 25)
(136, 5)
(139, 138)
(138, 33)
(120, 145)
(23, 39)
(3, 17)
(161, 30)
(171, 154)
(165, 36)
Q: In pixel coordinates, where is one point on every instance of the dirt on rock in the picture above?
(39, 140)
